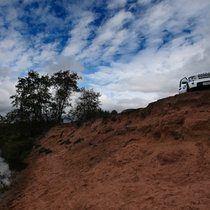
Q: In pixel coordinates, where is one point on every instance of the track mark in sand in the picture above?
(129, 141)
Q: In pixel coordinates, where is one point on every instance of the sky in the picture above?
(131, 51)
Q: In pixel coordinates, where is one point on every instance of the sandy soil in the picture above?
(152, 158)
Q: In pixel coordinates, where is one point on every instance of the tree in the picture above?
(32, 97)
(87, 106)
(2, 119)
(64, 83)
(43, 98)
(39, 102)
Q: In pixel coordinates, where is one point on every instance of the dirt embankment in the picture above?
(152, 158)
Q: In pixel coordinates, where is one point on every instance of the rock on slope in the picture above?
(152, 158)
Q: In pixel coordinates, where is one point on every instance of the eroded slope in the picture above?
(152, 158)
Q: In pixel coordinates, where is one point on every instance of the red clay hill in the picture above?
(152, 158)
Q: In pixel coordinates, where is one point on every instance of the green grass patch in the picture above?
(66, 142)
(59, 141)
(46, 151)
(37, 146)
(78, 140)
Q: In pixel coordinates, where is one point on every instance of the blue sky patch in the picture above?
(118, 44)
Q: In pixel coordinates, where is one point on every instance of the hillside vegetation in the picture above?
(152, 158)
(40, 102)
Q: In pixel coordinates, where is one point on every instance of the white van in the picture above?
(194, 82)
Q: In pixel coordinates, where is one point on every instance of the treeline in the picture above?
(40, 102)
(42, 98)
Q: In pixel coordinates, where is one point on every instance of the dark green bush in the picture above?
(3, 188)
(14, 152)
(114, 112)
(17, 141)
(36, 109)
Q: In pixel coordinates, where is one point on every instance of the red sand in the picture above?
(152, 158)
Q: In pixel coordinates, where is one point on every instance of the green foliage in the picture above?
(40, 103)
(3, 187)
(78, 140)
(2, 119)
(14, 152)
(44, 150)
(17, 140)
(66, 142)
(114, 112)
(64, 84)
(37, 146)
(87, 106)
(42, 98)
(32, 97)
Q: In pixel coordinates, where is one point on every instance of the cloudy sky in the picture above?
(132, 51)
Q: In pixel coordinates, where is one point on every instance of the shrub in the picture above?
(17, 141)
(14, 152)
(114, 112)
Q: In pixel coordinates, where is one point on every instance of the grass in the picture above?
(37, 146)
(46, 151)
(66, 142)
(59, 141)
(78, 140)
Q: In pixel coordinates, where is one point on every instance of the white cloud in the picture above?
(124, 100)
(143, 2)
(7, 88)
(108, 39)
(154, 72)
(150, 75)
(113, 4)
(11, 48)
(143, 43)
(79, 35)
(58, 63)
(16, 53)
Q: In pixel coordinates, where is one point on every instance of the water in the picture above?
(5, 175)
